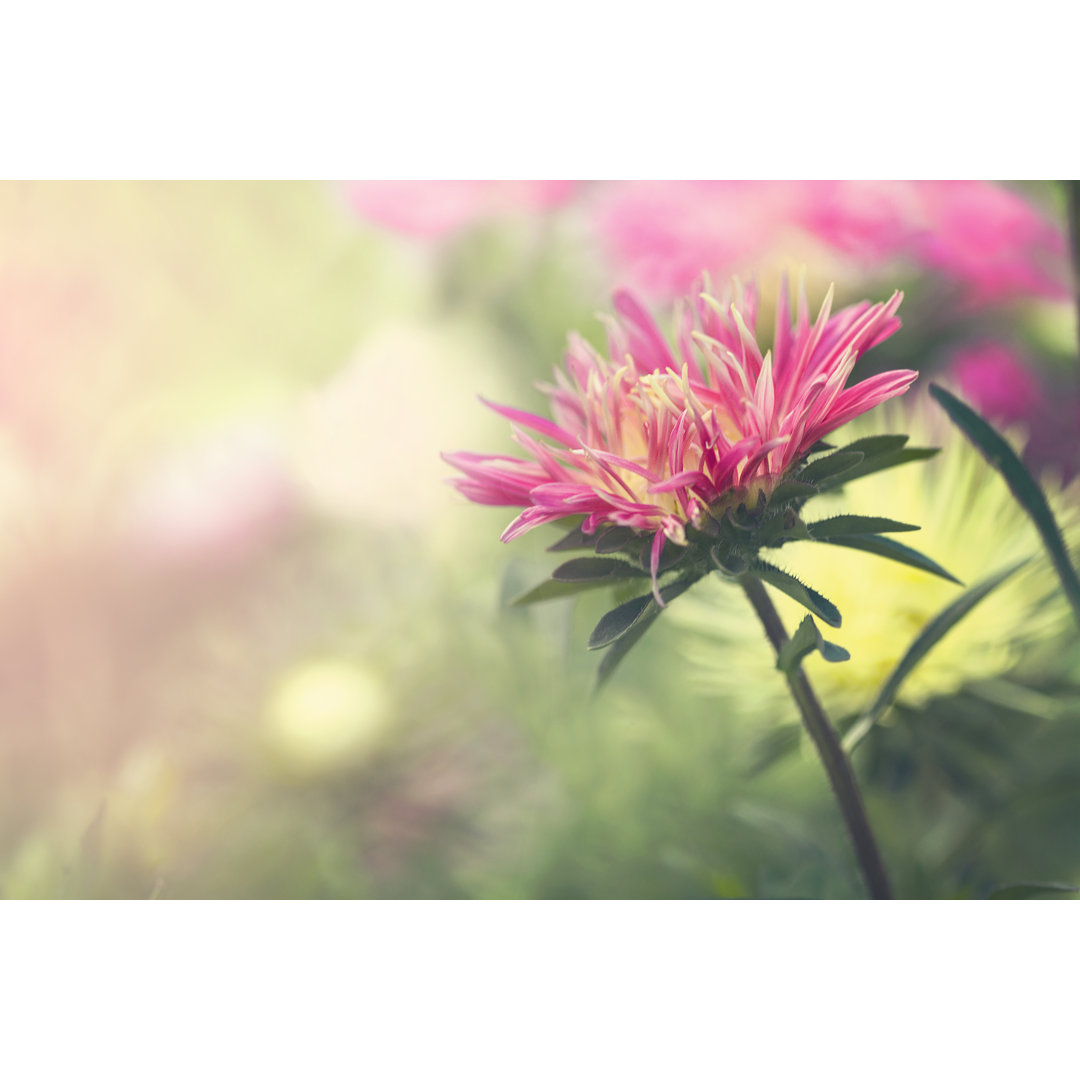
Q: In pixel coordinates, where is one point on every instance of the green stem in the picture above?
(837, 766)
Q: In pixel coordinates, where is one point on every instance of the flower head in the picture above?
(657, 437)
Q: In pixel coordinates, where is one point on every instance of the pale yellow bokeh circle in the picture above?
(326, 714)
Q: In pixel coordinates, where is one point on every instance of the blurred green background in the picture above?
(252, 645)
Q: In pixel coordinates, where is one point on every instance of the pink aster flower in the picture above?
(654, 437)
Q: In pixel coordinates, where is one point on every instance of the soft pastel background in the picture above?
(253, 645)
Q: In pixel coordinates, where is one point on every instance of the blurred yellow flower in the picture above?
(326, 714)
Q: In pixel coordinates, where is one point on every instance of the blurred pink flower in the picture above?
(996, 381)
(432, 208)
(990, 239)
(661, 233)
(214, 503)
(653, 437)
(987, 238)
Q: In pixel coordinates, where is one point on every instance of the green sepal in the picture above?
(579, 575)
(804, 641)
(855, 525)
(834, 465)
(633, 634)
(556, 590)
(782, 528)
(891, 549)
(574, 539)
(926, 639)
(671, 556)
(729, 563)
(1031, 890)
(791, 491)
(875, 445)
(879, 463)
(810, 599)
(601, 571)
(1021, 483)
(614, 539)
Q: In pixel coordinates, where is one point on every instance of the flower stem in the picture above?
(837, 766)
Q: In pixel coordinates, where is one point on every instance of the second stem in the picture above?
(837, 766)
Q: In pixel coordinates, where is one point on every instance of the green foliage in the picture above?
(1022, 484)
(804, 641)
(891, 549)
(854, 525)
(810, 599)
(831, 467)
(1028, 890)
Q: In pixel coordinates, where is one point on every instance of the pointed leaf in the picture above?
(855, 525)
(881, 462)
(1030, 890)
(834, 465)
(619, 621)
(614, 655)
(892, 549)
(804, 641)
(669, 557)
(873, 445)
(615, 539)
(789, 491)
(810, 599)
(926, 639)
(598, 570)
(1021, 483)
(557, 590)
(575, 538)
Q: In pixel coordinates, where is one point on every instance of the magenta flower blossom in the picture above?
(656, 438)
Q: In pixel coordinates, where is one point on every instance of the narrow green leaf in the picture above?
(790, 491)
(615, 539)
(804, 641)
(891, 549)
(810, 599)
(834, 465)
(619, 621)
(574, 539)
(671, 556)
(873, 445)
(599, 570)
(1021, 483)
(557, 590)
(855, 525)
(879, 463)
(926, 639)
(1030, 890)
